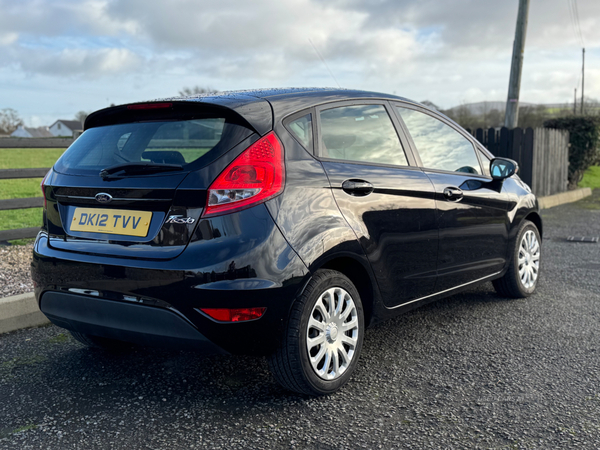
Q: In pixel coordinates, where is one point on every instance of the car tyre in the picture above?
(322, 343)
(523, 271)
(100, 342)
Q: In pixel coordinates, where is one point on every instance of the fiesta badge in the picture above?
(103, 197)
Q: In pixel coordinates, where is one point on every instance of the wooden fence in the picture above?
(21, 203)
(56, 142)
(542, 154)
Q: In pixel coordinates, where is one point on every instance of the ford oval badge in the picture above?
(103, 198)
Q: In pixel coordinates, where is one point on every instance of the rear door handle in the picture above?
(357, 187)
(453, 194)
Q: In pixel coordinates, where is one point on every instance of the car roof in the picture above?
(284, 101)
(260, 107)
(289, 92)
(310, 95)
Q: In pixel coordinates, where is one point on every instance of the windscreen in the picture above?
(188, 143)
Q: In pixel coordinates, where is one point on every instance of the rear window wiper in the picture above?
(134, 168)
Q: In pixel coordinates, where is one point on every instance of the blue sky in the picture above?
(63, 56)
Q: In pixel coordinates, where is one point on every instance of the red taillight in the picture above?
(150, 106)
(255, 176)
(234, 314)
(42, 187)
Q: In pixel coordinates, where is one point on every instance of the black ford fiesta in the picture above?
(276, 222)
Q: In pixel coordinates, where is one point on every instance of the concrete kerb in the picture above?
(564, 197)
(21, 311)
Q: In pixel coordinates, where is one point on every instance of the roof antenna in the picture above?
(324, 62)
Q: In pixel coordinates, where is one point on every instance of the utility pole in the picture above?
(582, 77)
(575, 103)
(511, 117)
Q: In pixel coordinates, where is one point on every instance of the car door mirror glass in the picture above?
(502, 168)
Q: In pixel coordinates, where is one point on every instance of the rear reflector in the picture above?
(150, 106)
(234, 314)
(254, 177)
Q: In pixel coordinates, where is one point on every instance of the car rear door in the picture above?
(472, 212)
(386, 199)
(135, 184)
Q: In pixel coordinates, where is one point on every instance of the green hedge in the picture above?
(584, 150)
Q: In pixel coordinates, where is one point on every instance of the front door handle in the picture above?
(357, 187)
(453, 194)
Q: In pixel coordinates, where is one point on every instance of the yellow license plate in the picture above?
(112, 221)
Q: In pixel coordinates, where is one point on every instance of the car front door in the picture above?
(472, 213)
(386, 199)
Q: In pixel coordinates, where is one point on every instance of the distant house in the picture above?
(27, 132)
(69, 128)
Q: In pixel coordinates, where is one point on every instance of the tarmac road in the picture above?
(471, 371)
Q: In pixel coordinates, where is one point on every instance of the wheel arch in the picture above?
(537, 221)
(359, 276)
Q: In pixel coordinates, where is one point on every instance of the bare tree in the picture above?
(463, 116)
(9, 120)
(81, 116)
(430, 104)
(196, 90)
(533, 116)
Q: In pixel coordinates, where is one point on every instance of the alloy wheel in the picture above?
(332, 333)
(529, 259)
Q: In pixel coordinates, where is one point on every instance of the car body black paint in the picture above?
(412, 244)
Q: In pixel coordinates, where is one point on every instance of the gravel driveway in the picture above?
(15, 273)
(471, 371)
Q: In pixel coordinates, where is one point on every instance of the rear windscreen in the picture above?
(189, 143)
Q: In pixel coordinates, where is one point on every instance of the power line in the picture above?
(577, 20)
(572, 17)
(574, 14)
(322, 59)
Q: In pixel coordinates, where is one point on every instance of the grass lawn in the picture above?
(22, 158)
(591, 178)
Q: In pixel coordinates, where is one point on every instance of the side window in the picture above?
(360, 133)
(440, 146)
(301, 128)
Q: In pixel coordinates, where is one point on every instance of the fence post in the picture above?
(565, 160)
(479, 136)
(526, 160)
(504, 142)
(538, 162)
(516, 136)
(492, 141)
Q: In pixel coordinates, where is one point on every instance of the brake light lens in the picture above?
(150, 106)
(234, 314)
(254, 177)
(42, 187)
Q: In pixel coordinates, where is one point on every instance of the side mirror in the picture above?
(503, 168)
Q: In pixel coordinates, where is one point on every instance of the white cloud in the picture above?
(92, 63)
(446, 52)
(8, 38)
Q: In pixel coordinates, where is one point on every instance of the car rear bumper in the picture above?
(146, 301)
(140, 324)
